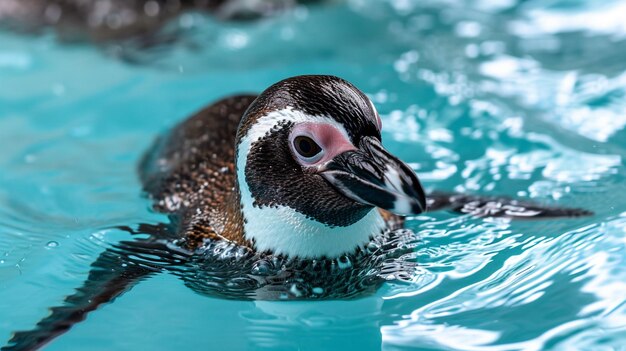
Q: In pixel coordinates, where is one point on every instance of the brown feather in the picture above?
(191, 173)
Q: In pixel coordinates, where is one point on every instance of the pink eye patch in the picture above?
(330, 139)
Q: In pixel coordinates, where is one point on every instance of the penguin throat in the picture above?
(283, 231)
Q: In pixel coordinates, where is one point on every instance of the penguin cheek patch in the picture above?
(314, 144)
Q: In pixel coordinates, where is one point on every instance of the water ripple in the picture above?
(523, 99)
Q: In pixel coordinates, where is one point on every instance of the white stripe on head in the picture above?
(265, 123)
(282, 229)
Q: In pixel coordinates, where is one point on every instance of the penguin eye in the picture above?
(307, 148)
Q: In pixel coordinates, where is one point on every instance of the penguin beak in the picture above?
(372, 176)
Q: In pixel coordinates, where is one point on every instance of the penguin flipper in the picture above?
(503, 207)
(111, 275)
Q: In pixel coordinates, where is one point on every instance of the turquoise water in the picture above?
(492, 97)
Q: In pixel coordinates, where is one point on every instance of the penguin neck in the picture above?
(282, 230)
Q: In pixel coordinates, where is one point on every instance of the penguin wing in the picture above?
(498, 206)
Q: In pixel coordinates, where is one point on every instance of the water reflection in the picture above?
(523, 99)
(321, 326)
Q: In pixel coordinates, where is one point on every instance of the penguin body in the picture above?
(229, 172)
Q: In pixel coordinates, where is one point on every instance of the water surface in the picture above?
(490, 97)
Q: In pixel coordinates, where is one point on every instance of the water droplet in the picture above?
(52, 244)
(344, 262)
(318, 290)
(372, 247)
(260, 267)
(295, 290)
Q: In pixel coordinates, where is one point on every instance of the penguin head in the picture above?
(311, 169)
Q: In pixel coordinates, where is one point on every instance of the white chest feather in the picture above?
(282, 230)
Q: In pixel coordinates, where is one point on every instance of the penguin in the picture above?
(115, 20)
(291, 192)
(303, 173)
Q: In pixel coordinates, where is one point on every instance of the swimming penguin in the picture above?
(105, 20)
(295, 177)
(302, 174)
